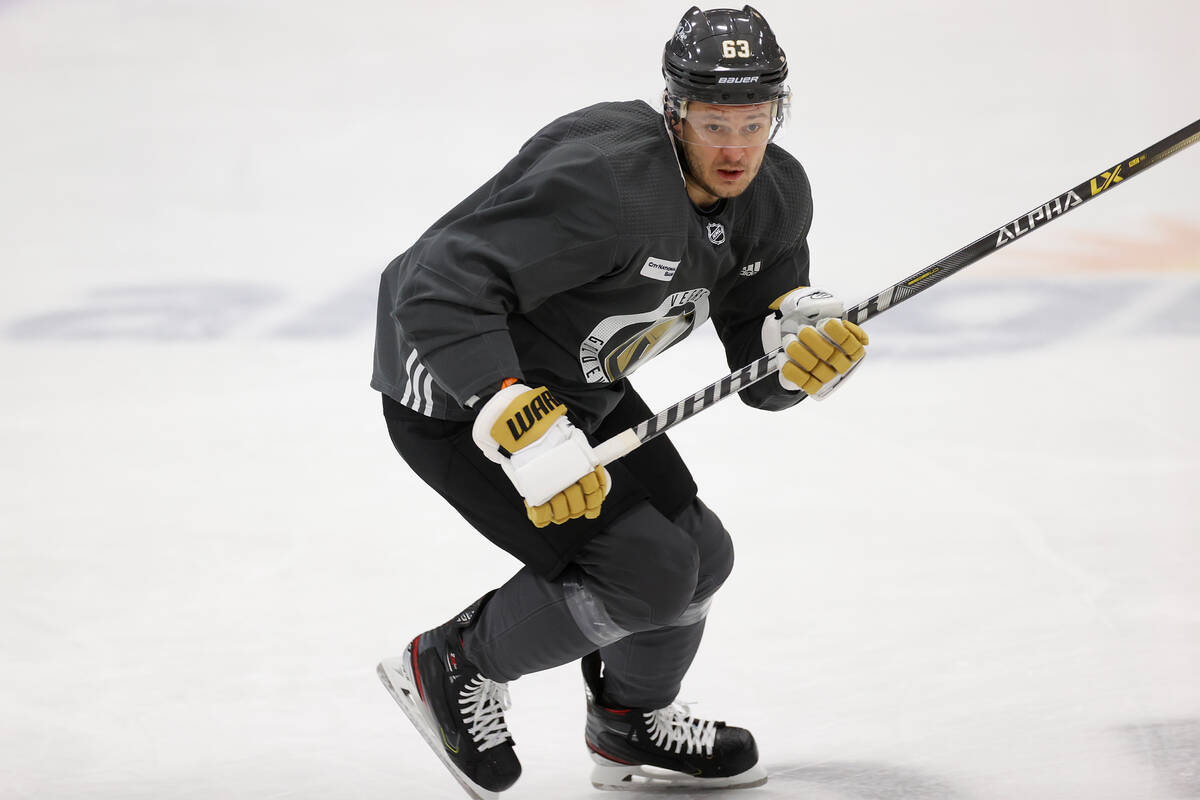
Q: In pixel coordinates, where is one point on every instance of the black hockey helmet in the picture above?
(726, 57)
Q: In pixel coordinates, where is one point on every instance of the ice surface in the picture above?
(972, 573)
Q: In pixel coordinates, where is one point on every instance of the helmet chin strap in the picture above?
(680, 158)
(676, 145)
(673, 115)
(686, 173)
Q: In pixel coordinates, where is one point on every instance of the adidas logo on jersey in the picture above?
(751, 269)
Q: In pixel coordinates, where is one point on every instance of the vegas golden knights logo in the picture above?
(620, 344)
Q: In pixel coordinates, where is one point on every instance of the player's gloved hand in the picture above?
(548, 460)
(822, 349)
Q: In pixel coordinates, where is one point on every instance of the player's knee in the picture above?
(714, 544)
(668, 584)
(650, 578)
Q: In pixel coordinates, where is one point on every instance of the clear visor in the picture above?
(726, 126)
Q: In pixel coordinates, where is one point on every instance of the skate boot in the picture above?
(458, 712)
(665, 748)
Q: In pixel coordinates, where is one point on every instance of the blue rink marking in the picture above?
(984, 315)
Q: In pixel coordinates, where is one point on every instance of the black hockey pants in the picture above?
(634, 583)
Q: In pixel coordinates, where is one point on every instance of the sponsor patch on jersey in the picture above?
(716, 233)
(751, 269)
(660, 269)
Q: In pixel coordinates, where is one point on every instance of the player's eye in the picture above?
(754, 127)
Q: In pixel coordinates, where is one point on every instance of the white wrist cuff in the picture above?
(496, 405)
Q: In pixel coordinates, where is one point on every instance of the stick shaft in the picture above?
(1034, 220)
(914, 284)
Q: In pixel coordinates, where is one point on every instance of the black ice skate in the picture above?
(666, 748)
(459, 712)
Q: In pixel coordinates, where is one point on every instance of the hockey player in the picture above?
(505, 338)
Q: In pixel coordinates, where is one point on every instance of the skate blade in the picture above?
(616, 777)
(396, 676)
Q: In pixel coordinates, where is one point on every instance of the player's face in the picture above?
(723, 147)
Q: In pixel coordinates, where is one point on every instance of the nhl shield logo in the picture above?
(716, 233)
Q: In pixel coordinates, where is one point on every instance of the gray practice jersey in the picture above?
(581, 260)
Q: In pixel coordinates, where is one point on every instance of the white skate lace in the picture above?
(674, 727)
(483, 705)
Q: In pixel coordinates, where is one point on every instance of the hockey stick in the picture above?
(630, 439)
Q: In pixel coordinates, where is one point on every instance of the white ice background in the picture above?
(971, 573)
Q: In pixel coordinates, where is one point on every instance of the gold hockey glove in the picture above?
(580, 499)
(821, 349)
(548, 460)
(819, 357)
